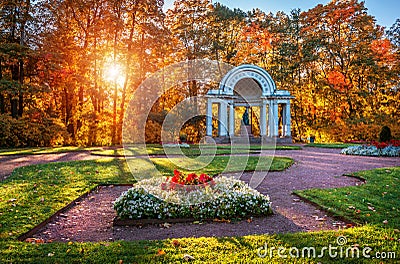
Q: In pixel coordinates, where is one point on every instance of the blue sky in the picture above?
(385, 11)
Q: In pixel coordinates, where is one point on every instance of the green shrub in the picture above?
(385, 135)
(28, 132)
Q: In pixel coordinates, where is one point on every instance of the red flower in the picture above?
(177, 173)
(204, 178)
(191, 178)
(188, 183)
(395, 143)
(175, 179)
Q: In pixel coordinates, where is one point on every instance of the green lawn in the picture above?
(194, 150)
(375, 202)
(31, 194)
(337, 145)
(209, 250)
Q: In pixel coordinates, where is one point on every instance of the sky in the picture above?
(385, 11)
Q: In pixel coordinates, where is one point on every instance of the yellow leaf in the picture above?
(160, 252)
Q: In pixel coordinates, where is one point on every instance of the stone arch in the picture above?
(241, 72)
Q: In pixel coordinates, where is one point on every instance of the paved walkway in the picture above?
(9, 163)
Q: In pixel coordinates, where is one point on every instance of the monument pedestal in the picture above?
(245, 131)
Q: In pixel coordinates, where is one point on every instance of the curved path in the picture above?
(9, 163)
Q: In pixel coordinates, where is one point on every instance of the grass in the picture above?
(43, 150)
(220, 164)
(33, 193)
(336, 145)
(58, 183)
(206, 250)
(194, 150)
(375, 202)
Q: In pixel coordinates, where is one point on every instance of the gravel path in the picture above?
(9, 163)
(91, 218)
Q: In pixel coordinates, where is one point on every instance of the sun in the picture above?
(113, 72)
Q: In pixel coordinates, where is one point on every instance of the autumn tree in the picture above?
(106, 49)
(226, 31)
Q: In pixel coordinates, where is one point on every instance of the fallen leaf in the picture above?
(176, 243)
(30, 240)
(160, 252)
(188, 257)
(39, 241)
(68, 250)
(221, 220)
(166, 225)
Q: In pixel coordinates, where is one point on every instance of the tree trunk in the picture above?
(2, 102)
(14, 107)
(2, 106)
(20, 104)
(114, 129)
(80, 106)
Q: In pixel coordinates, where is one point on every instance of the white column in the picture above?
(270, 118)
(263, 117)
(209, 118)
(283, 119)
(275, 131)
(231, 120)
(223, 119)
(288, 132)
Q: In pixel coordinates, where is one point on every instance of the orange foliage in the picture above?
(382, 50)
(337, 80)
(261, 36)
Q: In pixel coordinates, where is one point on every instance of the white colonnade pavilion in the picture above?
(249, 87)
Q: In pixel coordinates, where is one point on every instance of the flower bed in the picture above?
(388, 149)
(221, 197)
